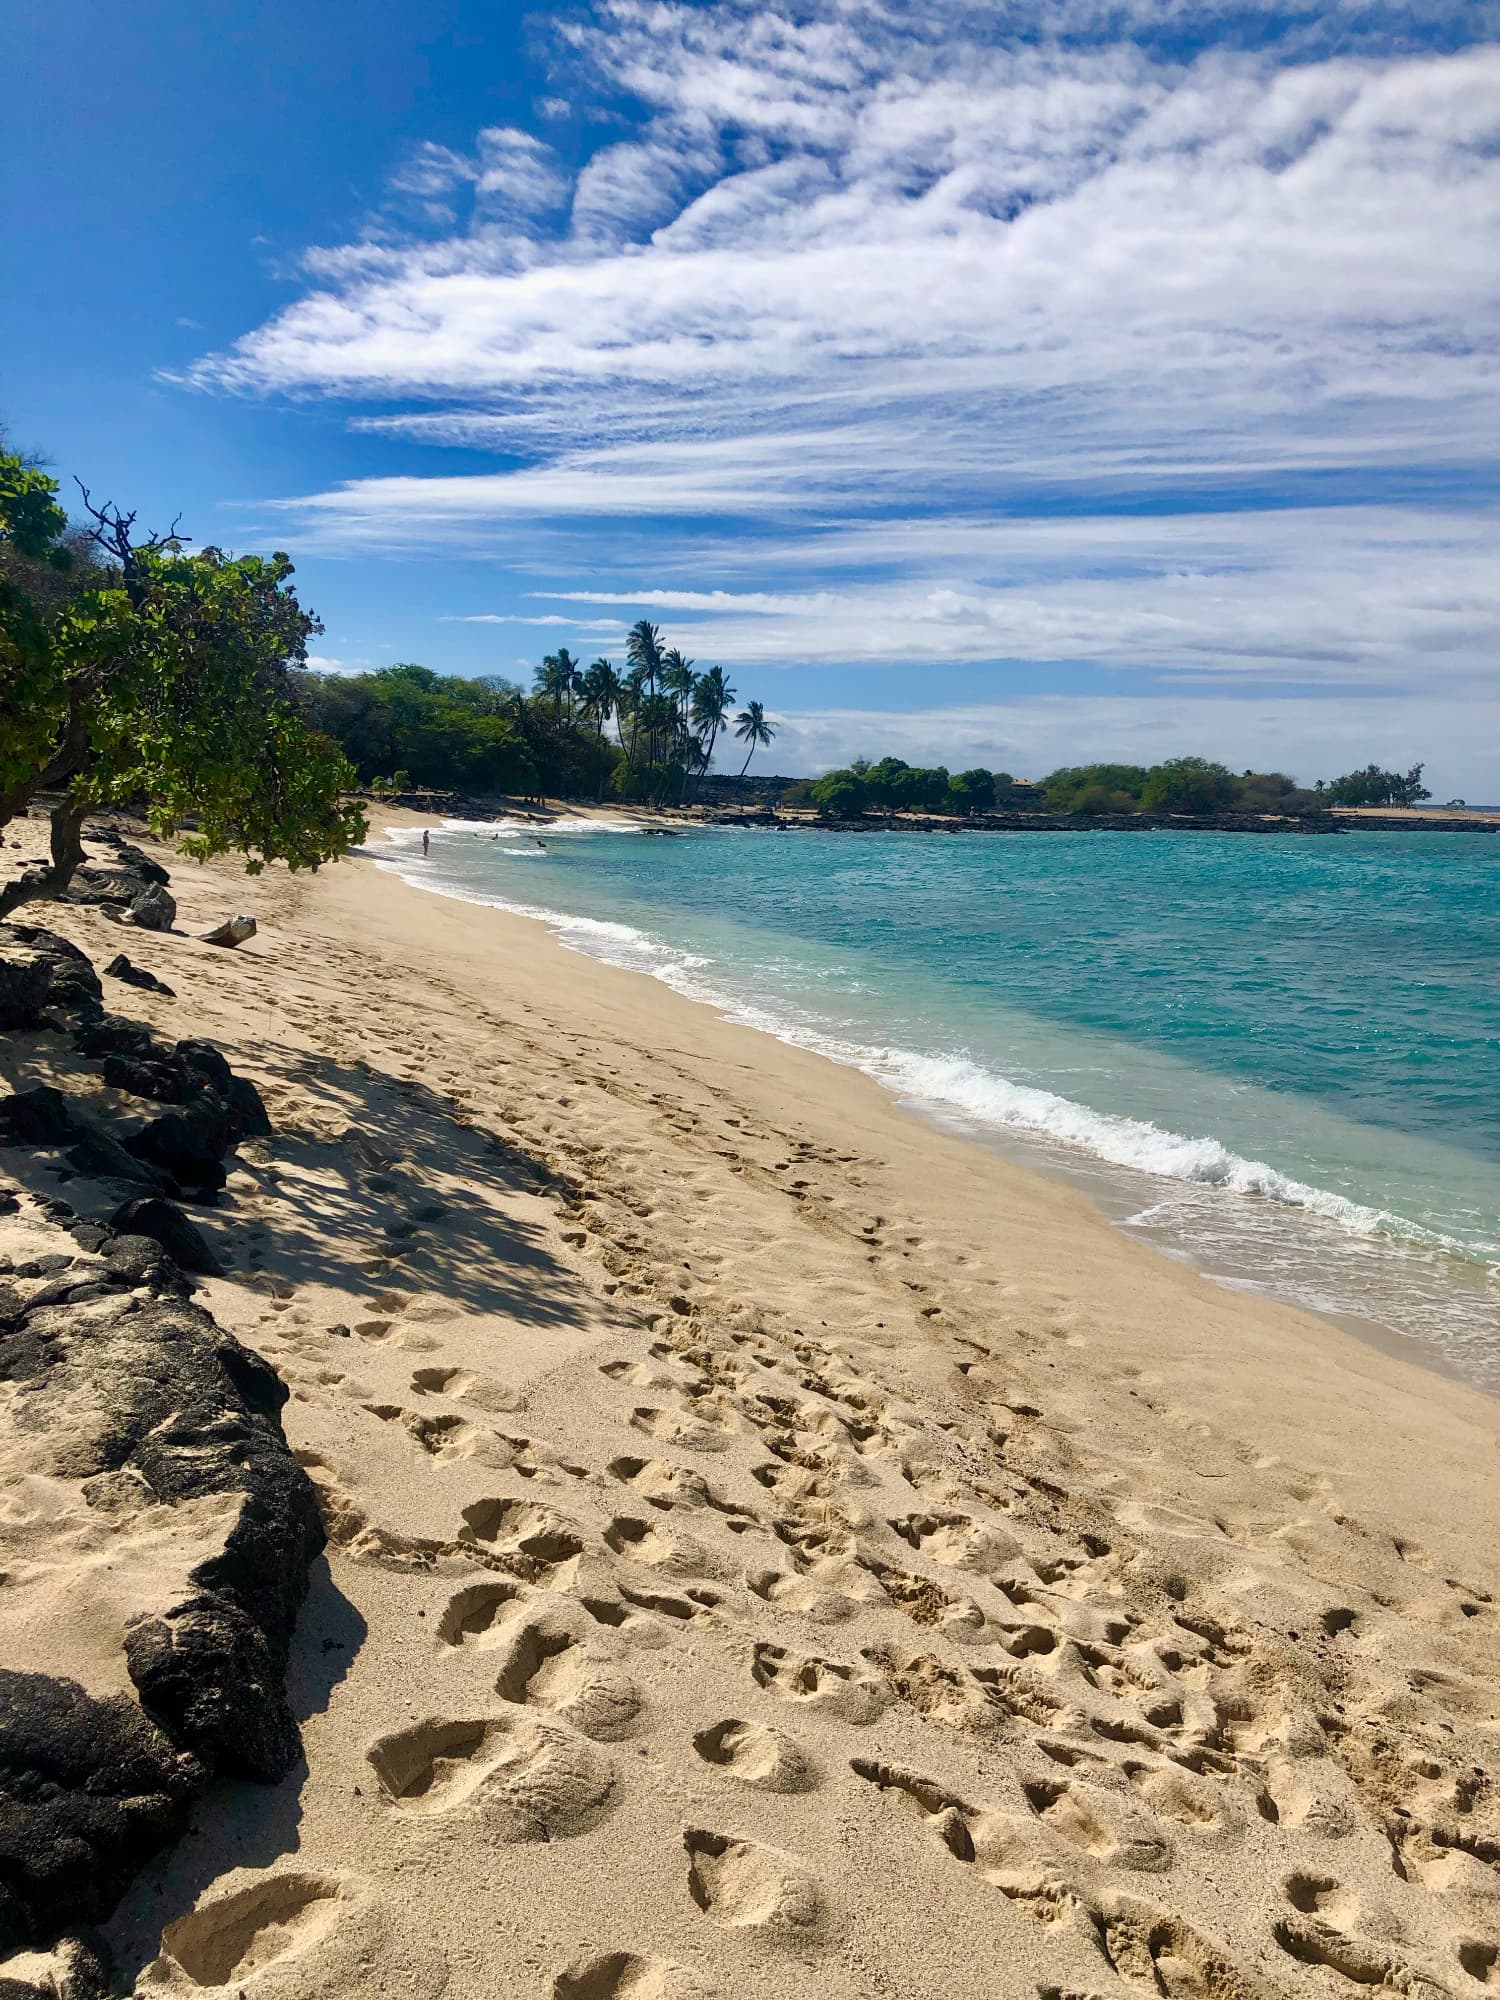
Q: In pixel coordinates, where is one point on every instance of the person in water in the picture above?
(426, 840)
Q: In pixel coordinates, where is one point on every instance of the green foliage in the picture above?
(1063, 789)
(1374, 787)
(448, 734)
(839, 795)
(752, 729)
(972, 791)
(163, 677)
(898, 786)
(1187, 785)
(1184, 785)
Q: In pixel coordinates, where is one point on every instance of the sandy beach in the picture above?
(777, 1548)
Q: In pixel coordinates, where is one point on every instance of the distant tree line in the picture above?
(648, 733)
(1181, 785)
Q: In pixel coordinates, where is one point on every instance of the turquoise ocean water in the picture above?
(1277, 1056)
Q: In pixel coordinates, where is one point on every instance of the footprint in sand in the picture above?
(621, 1975)
(956, 1541)
(927, 1603)
(441, 1381)
(666, 1486)
(1128, 1838)
(690, 1433)
(946, 1814)
(743, 1885)
(474, 1615)
(549, 1667)
(851, 1693)
(249, 1929)
(528, 1779)
(537, 1544)
(757, 1755)
(643, 1542)
(801, 1595)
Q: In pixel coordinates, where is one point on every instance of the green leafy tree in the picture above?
(1374, 787)
(752, 729)
(165, 678)
(839, 795)
(884, 782)
(972, 791)
(924, 789)
(1187, 785)
(1062, 789)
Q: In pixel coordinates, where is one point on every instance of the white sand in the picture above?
(778, 1549)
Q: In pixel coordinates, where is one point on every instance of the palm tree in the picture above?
(643, 650)
(558, 677)
(659, 719)
(678, 680)
(712, 700)
(628, 708)
(600, 692)
(751, 727)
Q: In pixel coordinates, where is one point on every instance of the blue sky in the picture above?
(1002, 383)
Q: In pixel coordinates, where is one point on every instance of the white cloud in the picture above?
(323, 663)
(515, 618)
(865, 288)
(508, 168)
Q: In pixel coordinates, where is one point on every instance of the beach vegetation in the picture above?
(1374, 787)
(1187, 785)
(972, 791)
(133, 669)
(753, 730)
(839, 795)
(1063, 789)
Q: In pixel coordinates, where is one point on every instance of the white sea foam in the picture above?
(952, 1084)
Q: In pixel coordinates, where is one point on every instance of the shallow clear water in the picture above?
(1277, 1055)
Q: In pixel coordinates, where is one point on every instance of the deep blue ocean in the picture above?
(1276, 1055)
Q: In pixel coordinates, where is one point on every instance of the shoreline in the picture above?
(749, 1504)
(772, 819)
(1115, 1189)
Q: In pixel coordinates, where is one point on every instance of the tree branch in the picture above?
(47, 884)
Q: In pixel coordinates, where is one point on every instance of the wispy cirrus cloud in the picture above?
(860, 304)
(520, 618)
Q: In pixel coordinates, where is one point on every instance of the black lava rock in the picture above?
(153, 909)
(189, 1144)
(120, 967)
(165, 1223)
(41, 1116)
(72, 985)
(88, 1789)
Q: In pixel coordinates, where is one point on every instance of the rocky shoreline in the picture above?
(1030, 822)
(170, 1527)
(705, 813)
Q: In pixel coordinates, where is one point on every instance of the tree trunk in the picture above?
(48, 884)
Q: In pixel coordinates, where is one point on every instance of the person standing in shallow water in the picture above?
(426, 840)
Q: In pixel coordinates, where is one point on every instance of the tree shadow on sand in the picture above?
(377, 1183)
